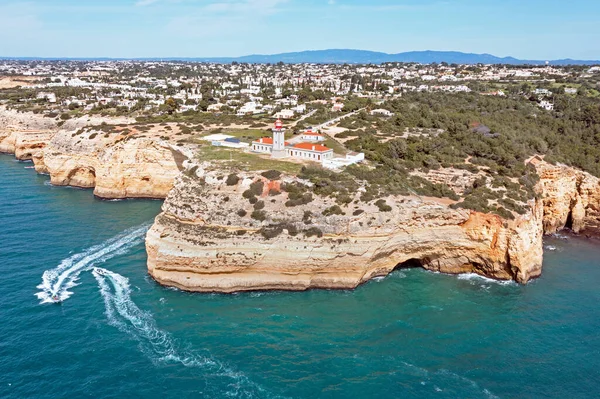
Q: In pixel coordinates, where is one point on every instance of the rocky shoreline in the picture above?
(208, 239)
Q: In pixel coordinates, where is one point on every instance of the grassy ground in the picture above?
(248, 135)
(335, 145)
(237, 159)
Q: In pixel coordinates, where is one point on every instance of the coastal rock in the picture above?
(201, 243)
(571, 199)
(116, 166)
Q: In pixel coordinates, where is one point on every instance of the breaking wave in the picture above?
(57, 282)
(476, 278)
(158, 345)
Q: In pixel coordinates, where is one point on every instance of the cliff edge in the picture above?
(210, 238)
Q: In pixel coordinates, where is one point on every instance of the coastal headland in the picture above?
(225, 231)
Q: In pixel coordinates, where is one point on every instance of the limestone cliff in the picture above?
(571, 199)
(206, 240)
(115, 166)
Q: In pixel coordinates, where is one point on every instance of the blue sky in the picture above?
(531, 29)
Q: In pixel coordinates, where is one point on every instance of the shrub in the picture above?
(259, 205)
(296, 200)
(333, 210)
(232, 179)
(242, 213)
(240, 232)
(273, 192)
(271, 232)
(253, 200)
(358, 212)
(313, 232)
(272, 174)
(383, 206)
(257, 187)
(259, 215)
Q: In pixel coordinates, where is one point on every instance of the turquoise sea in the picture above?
(414, 334)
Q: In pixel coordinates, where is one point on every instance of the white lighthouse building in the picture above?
(278, 141)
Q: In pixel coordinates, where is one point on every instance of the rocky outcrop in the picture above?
(200, 242)
(571, 199)
(115, 166)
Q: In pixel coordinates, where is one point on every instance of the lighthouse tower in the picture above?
(278, 140)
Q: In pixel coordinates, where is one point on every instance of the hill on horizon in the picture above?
(348, 56)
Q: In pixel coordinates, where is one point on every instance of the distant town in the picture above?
(317, 102)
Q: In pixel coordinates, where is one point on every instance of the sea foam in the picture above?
(58, 281)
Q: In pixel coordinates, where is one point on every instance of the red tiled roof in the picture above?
(264, 140)
(267, 141)
(312, 147)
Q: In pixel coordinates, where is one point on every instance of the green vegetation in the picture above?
(232, 179)
(238, 160)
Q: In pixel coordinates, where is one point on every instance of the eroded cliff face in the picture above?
(201, 243)
(571, 199)
(115, 166)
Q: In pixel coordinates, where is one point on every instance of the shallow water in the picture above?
(413, 334)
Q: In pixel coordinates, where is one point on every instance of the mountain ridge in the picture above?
(341, 56)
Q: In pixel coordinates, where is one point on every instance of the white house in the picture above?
(284, 114)
(312, 137)
(263, 145)
(350, 159)
(337, 107)
(250, 108)
(313, 152)
(382, 112)
(299, 109)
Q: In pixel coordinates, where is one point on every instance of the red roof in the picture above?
(265, 140)
(312, 147)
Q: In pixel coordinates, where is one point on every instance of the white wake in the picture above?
(124, 314)
(57, 282)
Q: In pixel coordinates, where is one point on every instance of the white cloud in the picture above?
(224, 18)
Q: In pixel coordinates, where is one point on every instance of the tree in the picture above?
(171, 105)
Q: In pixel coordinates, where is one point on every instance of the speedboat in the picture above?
(100, 272)
(55, 298)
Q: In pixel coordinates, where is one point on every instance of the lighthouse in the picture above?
(278, 140)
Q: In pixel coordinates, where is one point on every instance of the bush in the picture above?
(242, 213)
(383, 206)
(358, 212)
(272, 174)
(232, 179)
(257, 187)
(296, 200)
(333, 210)
(259, 215)
(313, 232)
(271, 232)
(253, 200)
(273, 192)
(259, 205)
(65, 116)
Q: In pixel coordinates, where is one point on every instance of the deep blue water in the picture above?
(413, 334)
